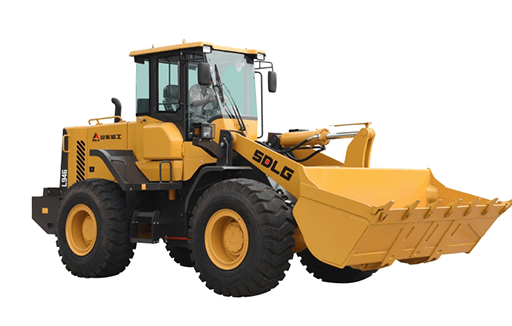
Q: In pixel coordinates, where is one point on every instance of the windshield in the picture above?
(237, 74)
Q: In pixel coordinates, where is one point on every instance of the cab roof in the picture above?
(185, 45)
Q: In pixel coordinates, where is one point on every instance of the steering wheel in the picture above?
(204, 111)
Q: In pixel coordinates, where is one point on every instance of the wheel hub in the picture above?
(233, 238)
(81, 230)
(226, 239)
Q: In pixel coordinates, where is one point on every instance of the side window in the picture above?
(192, 74)
(142, 88)
(194, 94)
(168, 91)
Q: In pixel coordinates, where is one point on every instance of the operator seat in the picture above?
(171, 98)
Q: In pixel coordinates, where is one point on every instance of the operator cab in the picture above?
(169, 89)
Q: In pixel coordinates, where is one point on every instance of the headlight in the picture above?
(207, 131)
(260, 56)
(204, 130)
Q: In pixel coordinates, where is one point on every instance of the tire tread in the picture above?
(116, 249)
(277, 231)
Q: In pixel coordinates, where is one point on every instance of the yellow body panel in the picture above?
(194, 158)
(81, 140)
(230, 124)
(81, 166)
(162, 141)
(151, 141)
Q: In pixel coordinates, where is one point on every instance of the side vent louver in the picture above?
(80, 160)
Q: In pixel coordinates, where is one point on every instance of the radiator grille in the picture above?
(80, 160)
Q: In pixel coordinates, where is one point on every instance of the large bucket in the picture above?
(368, 218)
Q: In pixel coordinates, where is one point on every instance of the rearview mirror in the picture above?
(272, 81)
(203, 74)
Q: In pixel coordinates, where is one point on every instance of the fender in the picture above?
(121, 163)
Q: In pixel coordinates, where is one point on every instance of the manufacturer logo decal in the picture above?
(97, 137)
(268, 162)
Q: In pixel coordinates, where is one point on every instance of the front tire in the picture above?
(241, 238)
(93, 232)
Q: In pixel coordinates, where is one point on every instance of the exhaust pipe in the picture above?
(117, 111)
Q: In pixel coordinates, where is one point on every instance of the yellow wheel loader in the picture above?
(191, 171)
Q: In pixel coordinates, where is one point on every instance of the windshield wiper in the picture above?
(236, 113)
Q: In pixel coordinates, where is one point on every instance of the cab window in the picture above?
(142, 88)
(168, 90)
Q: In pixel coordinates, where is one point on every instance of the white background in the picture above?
(434, 77)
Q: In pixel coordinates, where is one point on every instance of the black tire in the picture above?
(181, 255)
(256, 242)
(331, 274)
(96, 207)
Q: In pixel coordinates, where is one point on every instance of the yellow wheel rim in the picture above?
(226, 239)
(81, 230)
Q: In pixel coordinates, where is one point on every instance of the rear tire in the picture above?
(241, 238)
(331, 274)
(93, 232)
